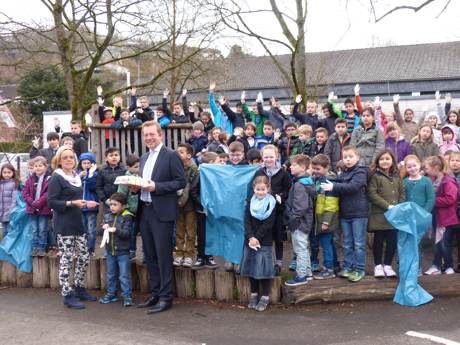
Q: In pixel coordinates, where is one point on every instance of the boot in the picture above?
(83, 295)
(72, 302)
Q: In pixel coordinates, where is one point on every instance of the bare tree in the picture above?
(238, 19)
(87, 36)
(400, 7)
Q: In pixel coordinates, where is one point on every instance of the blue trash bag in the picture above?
(412, 222)
(224, 190)
(16, 247)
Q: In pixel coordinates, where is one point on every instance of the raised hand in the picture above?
(133, 90)
(36, 142)
(377, 102)
(277, 134)
(330, 96)
(357, 89)
(396, 99)
(165, 93)
(100, 101)
(437, 96)
(99, 90)
(212, 86)
(448, 98)
(184, 92)
(260, 98)
(298, 99)
(243, 97)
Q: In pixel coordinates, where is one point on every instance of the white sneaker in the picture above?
(188, 262)
(389, 271)
(378, 272)
(449, 270)
(178, 261)
(433, 271)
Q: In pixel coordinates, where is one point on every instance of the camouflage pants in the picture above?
(70, 247)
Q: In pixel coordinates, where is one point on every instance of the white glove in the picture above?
(327, 186)
(377, 102)
(396, 99)
(99, 90)
(357, 88)
(36, 142)
(437, 96)
(278, 199)
(243, 97)
(165, 93)
(260, 98)
(448, 98)
(391, 206)
(330, 96)
(184, 92)
(298, 99)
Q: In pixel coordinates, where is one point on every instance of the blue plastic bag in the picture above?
(224, 190)
(16, 247)
(412, 221)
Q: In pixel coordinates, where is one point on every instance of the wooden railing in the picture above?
(129, 140)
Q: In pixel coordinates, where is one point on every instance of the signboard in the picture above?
(53, 119)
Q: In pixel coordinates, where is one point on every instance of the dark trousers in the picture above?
(456, 232)
(380, 237)
(279, 234)
(263, 284)
(443, 250)
(157, 246)
(201, 235)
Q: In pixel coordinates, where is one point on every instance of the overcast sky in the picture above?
(330, 25)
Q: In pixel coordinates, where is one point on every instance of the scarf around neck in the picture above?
(261, 209)
(74, 180)
(272, 172)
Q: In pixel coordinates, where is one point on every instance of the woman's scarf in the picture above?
(273, 171)
(261, 209)
(74, 180)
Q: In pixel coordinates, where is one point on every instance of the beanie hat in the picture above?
(106, 109)
(198, 126)
(88, 156)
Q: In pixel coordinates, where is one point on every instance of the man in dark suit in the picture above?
(164, 171)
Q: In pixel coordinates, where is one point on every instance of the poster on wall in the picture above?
(56, 121)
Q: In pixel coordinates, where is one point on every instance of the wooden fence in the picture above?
(129, 140)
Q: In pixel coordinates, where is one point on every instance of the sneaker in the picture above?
(178, 261)
(356, 276)
(344, 273)
(389, 272)
(127, 301)
(263, 303)
(277, 269)
(449, 270)
(72, 302)
(188, 262)
(210, 263)
(253, 301)
(108, 299)
(199, 264)
(315, 267)
(83, 294)
(297, 281)
(326, 274)
(379, 272)
(228, 266)
(432, 271)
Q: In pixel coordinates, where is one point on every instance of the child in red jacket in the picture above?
(35, 195)
(445, 213)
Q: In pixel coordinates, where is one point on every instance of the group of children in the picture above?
(328, 180)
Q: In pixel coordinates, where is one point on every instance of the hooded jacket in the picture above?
(401, 148)
(299, 205)
(119, 241)
(8, 193)
(334, 147)
(368, 141)
(105, 179)
(445, 205)
(448, 145)
(89, 181)
(39, 206)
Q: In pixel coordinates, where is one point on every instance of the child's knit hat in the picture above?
(198, 126)
(88, 156)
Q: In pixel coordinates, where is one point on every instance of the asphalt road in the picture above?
(33, 316)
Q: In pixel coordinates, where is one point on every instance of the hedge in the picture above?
(16, 147)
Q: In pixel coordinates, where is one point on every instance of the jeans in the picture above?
(39, 226)
(326, 242)
(89, 222)
(300, 246)
(118, 267)
(443, 251)
(354, 243)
